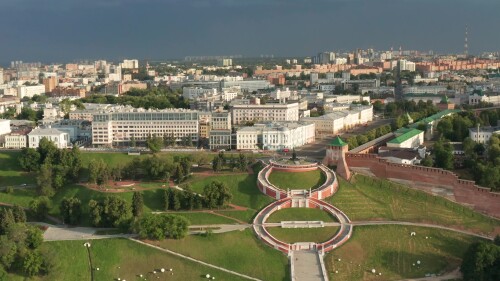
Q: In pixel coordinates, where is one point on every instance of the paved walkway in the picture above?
(455, 274)
(195, 260)
(306, 266)
(361, 223)
(60, 233)
(217, 228)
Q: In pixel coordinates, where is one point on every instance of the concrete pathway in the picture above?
(362, 223)
(306, 266)
(195, 260)
(217, 228)
(60, 233)
(455, 274)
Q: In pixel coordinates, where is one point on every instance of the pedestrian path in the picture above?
(306, 266)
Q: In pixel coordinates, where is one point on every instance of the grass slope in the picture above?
(242, 186)
(10, 170)
(293, 235)
(302, 180)
(240, 251)
(377, 199)
(119, 258)
(392, 251)
(300, 214)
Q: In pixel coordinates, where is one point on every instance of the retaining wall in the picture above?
(465, 192)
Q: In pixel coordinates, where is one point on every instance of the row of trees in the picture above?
(20, 243)
(156, 97)
(239, 163)
(55, 167)
(215, 195)
(156, 143)
(355, 141)
(153, 168)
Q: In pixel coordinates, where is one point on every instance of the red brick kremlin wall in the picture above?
(465, 192)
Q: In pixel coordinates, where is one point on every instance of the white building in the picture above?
(4, 126)
(476, 98)
(407, 138)
(265, 113)
(275, 136)
(115, 128)
(247, 85)
(424, 90)
(58, 137)
(16, 141)
(129, 64)
(483, 134)
(338, 121)
(279, 94)
(30, 91)
(224, 62)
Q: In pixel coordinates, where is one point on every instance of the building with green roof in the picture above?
(407, 138)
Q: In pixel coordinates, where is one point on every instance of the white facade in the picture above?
(337, 121)
(16, 141)
(265, 113)
(129, 64)
(279, 94)
(4, 126)
(119, 127)
(30, 91)
(476, 98)
(220, 120)
(58, 137)
(483, 135)
(275, 136)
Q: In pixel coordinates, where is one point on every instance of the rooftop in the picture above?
(405, 135)
(337, 141)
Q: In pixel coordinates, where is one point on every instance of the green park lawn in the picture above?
(118, 258)
(242, 186)
(376, 199)
(293, 235)
(300, 214)
(240, 251)
(244, 216)
(11, 172)
(392, 251)
(302, 180)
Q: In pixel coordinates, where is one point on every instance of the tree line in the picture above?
(156, 97)
(481, 261)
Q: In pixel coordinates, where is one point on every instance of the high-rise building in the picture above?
(50, 83)
(130, 64)
(224, 62)
(1, 76)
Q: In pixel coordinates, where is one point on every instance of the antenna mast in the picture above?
(466, 45)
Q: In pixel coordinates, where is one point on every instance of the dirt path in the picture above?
(455, 274)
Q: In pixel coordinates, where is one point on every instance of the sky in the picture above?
(69, 30)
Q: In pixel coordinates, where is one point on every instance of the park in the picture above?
(279, 210)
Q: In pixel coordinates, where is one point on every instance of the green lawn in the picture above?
(392, 251)
(240, 251)
(70, 263)
(119, 258)
(293, 235)
(377, 199)
(20, 196)
(302, 180)
(11, 172)
(243, 187)
(300, 214)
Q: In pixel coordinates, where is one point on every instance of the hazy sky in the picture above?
(65, 30)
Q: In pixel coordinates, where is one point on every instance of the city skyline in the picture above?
(60, 31)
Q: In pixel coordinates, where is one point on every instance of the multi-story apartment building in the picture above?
(30, 91)
(17, 139)
(265, 113)
(117, 128)
(275, 136)
(220, 130)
